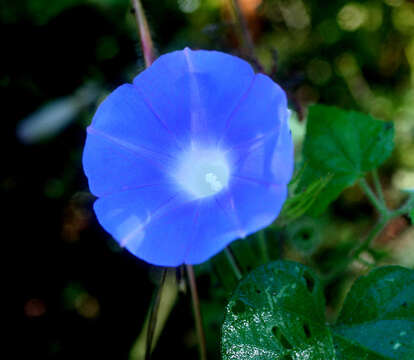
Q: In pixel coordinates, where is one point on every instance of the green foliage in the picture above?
(412, 216)
(344, 145)
(377, 319)
(278, 312)
(299, 203)
(249, 253)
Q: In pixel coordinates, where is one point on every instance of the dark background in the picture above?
(80, 295)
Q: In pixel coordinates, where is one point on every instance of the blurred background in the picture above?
(81, 296)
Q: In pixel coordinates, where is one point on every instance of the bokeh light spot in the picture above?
(34, 308)
(403, 18)
(87, 306)
(352, 16)
(188, 6)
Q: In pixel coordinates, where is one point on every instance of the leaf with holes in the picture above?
(345, 145)
(277, 312)
(377, 319)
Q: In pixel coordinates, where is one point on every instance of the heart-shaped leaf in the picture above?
(344, 145)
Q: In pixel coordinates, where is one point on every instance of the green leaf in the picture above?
(345, 145)
(412, 216)
(377, 319)
(277, 312)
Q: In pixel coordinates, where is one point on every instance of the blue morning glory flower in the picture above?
(194, 154)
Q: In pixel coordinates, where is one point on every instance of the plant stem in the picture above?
(404, 209)
(263, 245)
(380, 206)
(197, 313)
(385, 216)
(233, 264)
(354, 254)
(245, 34)
(153, 316)
(144, 33)
(370, 238)
(378, 187)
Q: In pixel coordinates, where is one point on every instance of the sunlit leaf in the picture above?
(277, 312)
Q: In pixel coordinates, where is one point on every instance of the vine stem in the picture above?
(144, 33)
(245, 34)
(378, 187)
(233, 264)
(354, 254)
(378, 204)
(404, 209)
(378, 228)
(197, 313)
(263, 245)
(385, 216)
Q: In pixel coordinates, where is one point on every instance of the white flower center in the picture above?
(203, 172)
(214, 182)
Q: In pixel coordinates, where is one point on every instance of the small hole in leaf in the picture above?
(307, 331)
(310, 283)
(238, 307)
(279, 336)
(404, 304)
(258, 291)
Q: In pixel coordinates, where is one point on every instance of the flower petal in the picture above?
(259, 115)
(153, 223)
(245, 209)
(213, 233)
(195, 92)
(126, 144)
(268, 161)
(283, 160)
(125, 114)
(112, 168)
